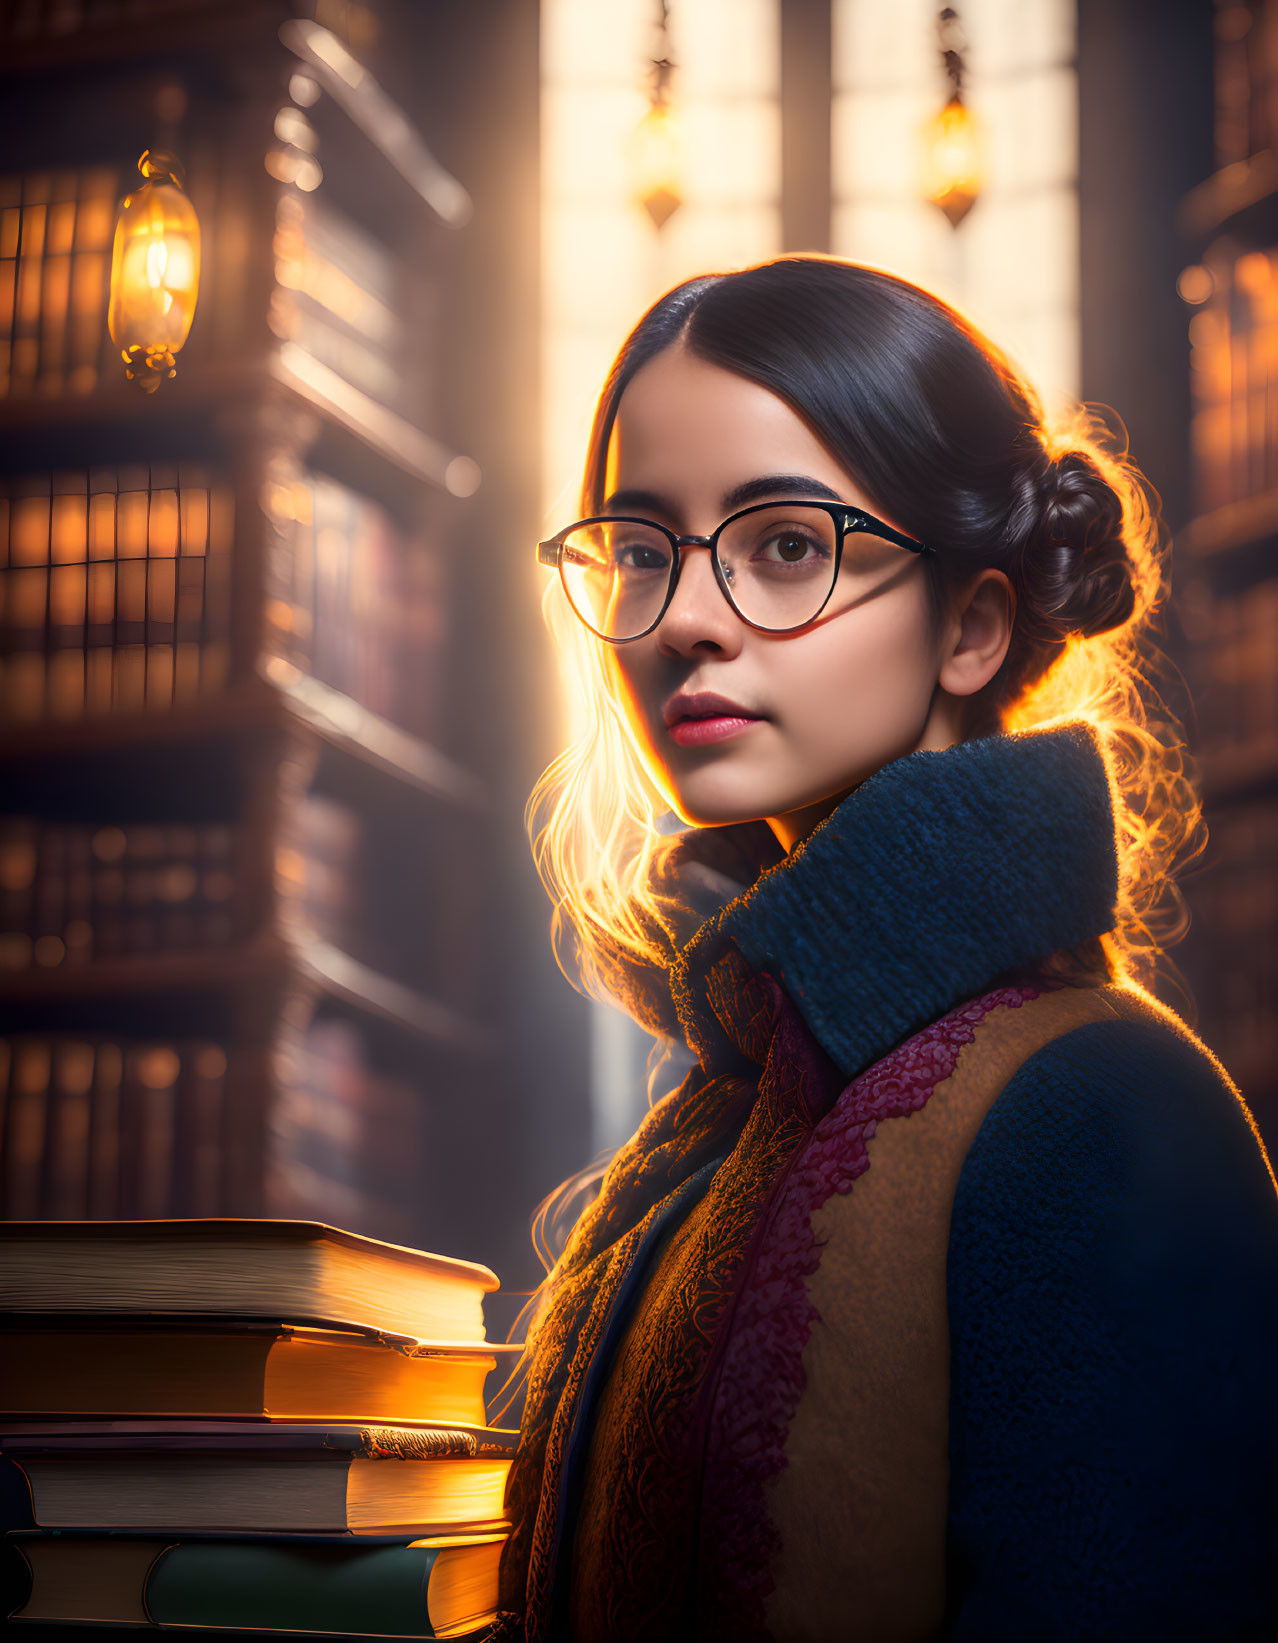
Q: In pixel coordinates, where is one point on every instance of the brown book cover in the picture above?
(65, 1193)
(141, 1368)
(199, 1142)
(229, 1475)
(304, 1271)
(104, 1132)
(25, 1121)
(19, 848)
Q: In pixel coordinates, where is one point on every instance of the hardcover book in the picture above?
(229, 1476)
(97, 1367)
(444, 1586)
(301, 1271)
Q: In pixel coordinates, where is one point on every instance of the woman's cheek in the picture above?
(854, 704)
(640, 704)
(627, 689)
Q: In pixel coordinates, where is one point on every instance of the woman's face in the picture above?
(825, 706)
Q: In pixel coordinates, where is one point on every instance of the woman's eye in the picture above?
(792, 548)
(640, 556)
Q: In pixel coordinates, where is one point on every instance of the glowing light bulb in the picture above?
(155, 272)
(157, 260)
(657, 163)
(953, 160)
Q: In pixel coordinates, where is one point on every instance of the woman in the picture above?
(806, 1369)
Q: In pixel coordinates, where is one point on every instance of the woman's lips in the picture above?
(718, 728)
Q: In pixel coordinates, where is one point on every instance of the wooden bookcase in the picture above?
(239, 873)
(1229, 554)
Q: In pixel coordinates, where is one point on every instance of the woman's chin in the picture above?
(718, 810)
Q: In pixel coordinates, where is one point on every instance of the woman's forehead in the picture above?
(687, 430)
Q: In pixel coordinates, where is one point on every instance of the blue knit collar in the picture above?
(940, 872)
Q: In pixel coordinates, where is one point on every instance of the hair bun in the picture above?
(1078, 574)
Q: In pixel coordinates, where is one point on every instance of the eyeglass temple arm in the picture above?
(858, 520)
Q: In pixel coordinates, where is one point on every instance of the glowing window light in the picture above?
(602, 264)
(594, 98)
(155, 272)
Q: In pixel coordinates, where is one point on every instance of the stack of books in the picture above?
(250, 1425)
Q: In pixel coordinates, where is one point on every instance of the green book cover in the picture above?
(379, 1589)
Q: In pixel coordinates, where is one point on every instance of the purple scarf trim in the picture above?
(762, 1376)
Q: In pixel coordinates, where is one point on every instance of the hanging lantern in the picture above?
(658, 153)
(953, 161)
(657, 143)
(155, 272)
(952, 141)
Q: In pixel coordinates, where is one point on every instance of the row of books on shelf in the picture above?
(115, 593)
(101, 1127)
(321, 874)
(339, 296)
(55, 270)
(74, 892)
(1233, 901)
(142, 678)
(248, 1425)
(98, 1126)
(1246, 76)
(1234, 890)
(344, 1134)
(1235, 669)
(1234, 376)
(352, 602)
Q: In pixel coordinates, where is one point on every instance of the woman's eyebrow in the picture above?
(753, 490)
(757, 490)
(636, 502)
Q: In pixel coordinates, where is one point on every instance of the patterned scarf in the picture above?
(724, 1141)
(726, 1135)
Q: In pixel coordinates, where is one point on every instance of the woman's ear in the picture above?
(977, 633)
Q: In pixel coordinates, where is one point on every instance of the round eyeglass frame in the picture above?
(847, 519)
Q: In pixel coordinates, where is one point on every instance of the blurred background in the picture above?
(275, 681)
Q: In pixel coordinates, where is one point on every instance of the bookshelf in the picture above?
(240, 887)
(1229, 551)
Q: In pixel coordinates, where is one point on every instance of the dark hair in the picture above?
(933, 423)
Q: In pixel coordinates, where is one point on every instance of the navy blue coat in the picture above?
(1113, 1258)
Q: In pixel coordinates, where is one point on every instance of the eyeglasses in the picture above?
(776, 564)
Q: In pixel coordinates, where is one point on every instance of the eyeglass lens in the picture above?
(778, 563)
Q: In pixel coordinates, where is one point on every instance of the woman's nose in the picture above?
(698, 611)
